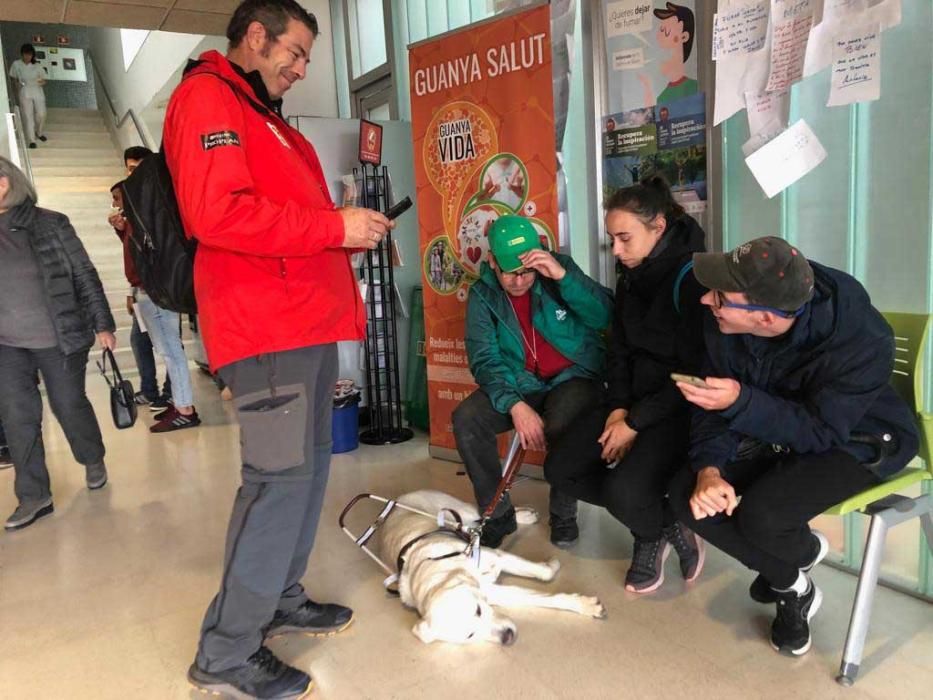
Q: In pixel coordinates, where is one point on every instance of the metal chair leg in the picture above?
(926, 521)
(864, 596)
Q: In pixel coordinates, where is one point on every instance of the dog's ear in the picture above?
(423, 631)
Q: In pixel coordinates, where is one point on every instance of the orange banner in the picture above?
(483, 126)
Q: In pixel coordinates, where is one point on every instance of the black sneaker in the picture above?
(43, 138)
(262, 676)
(142, 400)
(690, 550)
(495, 529)
(646, 574)
(160, 404)
(315, 619)
(32, 145)
(761, 591)
(564, 531)
(790, 631)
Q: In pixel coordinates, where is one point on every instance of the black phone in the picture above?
(399, 208)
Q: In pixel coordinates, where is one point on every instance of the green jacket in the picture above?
(571, 315)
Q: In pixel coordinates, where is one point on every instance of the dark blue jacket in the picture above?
(822, 385)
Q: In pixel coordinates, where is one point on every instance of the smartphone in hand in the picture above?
(690, 379)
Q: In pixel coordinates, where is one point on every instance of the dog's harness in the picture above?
(454, 527)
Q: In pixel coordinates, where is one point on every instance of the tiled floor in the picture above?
(104, 598)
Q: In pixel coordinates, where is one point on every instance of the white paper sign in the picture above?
(763, 107)
(628, 59)
(628, 17)
(739, 30)
(791, 21)
(856, 68)
(784, 160)
(768, 132)
(886, 14)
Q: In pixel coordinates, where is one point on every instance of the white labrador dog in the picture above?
(455, 598)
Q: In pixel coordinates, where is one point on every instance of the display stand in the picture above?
(383, 387)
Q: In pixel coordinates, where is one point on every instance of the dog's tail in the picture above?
(526, 515)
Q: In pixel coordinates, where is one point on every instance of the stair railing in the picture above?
(116, 119)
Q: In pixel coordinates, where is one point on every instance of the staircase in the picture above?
(74, 171)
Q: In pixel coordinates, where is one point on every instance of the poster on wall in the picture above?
(483, 131)
(657, 124)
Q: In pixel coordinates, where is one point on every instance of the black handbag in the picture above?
(122, 395)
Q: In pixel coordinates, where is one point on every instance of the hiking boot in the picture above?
(262, 676)
(95, 475)
(646, 574)
(761, 591)
(690, 550)
(315, 619)
(495, 529)
(6, 459)
(564, 531)
(28, 513)
(176, 421)
(790, 631)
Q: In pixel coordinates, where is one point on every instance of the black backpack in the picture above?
(163, 255)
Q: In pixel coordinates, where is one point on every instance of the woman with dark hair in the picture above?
(29, 78)
(622, 455)
(51, 306)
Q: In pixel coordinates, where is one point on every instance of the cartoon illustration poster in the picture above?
(483, 128)
(657, 119)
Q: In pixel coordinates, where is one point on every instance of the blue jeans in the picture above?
(163, 331)
(145, 362)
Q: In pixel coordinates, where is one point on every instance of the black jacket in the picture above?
(650, 337)
(823, 385)
(73, 291)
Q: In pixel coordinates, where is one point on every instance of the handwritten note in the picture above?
(765, 134)
(836, 16)
(856, 67)
(787, 158)
(762, 107)
(740, 30)
(791, 23)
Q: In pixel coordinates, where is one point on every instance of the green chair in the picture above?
(882, 502)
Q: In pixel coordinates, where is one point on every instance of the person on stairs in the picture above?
(29, 78)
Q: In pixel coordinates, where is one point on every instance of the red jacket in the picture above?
(269, 272)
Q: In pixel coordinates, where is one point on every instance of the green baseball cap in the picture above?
(509, 237)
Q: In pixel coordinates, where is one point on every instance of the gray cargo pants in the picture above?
(285, 442)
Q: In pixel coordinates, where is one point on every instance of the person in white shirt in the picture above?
(29, 77)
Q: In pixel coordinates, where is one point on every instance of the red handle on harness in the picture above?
(505, 483)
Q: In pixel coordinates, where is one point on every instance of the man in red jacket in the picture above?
(275, 291)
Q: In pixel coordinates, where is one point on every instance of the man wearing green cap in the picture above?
(534, 338)
(796, 415)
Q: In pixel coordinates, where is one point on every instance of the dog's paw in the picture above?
(590, 606)
(526, 515)
(554, 566)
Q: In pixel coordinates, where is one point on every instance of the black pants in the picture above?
(21, 413)
(635, 490)
(477, 423)
(768, 532)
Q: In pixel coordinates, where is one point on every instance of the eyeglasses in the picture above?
(520, 271)
(721, 302)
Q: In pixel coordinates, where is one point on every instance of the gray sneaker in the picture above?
(96, 475)
(28, 513)
(646, 573)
